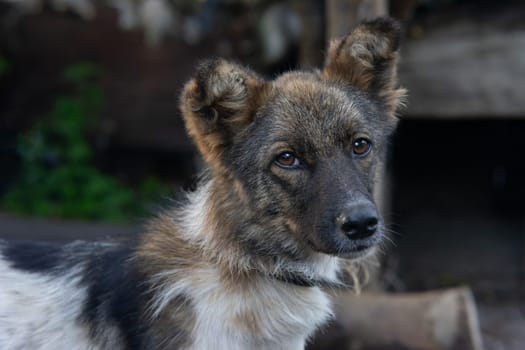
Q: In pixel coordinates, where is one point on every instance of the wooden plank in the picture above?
(466, 70)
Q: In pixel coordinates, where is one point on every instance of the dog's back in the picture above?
(50, 294)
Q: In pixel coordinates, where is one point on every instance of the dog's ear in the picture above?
(218, 102)
(367, 59)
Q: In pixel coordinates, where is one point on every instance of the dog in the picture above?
(247, 259)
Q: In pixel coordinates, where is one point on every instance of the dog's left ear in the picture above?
(218, 102)
(367, 59)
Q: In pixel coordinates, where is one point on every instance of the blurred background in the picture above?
(91, 138)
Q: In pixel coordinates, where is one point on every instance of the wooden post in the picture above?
(312, 43)
(343, 15)
(340, 17)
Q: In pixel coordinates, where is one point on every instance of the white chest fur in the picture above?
(267, 314)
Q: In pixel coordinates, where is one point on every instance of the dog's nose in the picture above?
(359, 220)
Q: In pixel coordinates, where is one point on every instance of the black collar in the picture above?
(344, 280)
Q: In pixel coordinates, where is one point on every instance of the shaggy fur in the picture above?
(244, 261)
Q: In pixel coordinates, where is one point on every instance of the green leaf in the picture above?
(79, 73)
(5, 66)
(57, 176)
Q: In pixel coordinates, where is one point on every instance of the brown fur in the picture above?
(222, 99)
(261, 222)
(244, 262)
(372, 52)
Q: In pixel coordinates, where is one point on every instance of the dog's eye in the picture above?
(287, 160)
(361, 146)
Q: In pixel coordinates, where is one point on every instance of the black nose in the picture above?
(359, 220)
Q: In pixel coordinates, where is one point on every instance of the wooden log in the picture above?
(436, 320)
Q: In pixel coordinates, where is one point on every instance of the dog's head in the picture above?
(303, 147)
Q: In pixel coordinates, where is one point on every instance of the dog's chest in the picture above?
(266, 315)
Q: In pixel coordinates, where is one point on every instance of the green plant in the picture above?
(57, 175)
(5, 66)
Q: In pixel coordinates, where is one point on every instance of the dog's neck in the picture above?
(189, 241)
(225, 223)
(208, 229)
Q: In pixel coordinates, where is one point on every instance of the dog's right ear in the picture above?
(218, 102)
(367, 59)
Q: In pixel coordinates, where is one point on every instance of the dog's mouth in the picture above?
(346, 248)
(358, 252)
